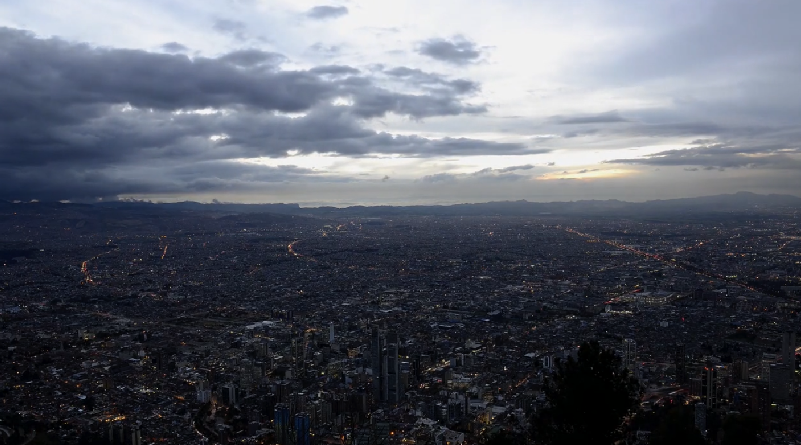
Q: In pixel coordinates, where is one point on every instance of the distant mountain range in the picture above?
(737, 203)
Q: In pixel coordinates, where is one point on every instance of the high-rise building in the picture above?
(203, 396)
(387, 387)
(331, 333)
(767, 361)
(284, 390)
(680, 357)
(781, 383)
(377, 346)
(709, 386)
(788, 349)
(739, 371)
(302, 429)
(136, 435)
(760, 404)
(700, 417)
(630, 354)
(393, 375)
(229, 393)
(281, 423)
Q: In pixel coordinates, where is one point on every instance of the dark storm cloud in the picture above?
(55, 182)
(721, 156)
(456, 51)
(334, 130)
(516, 167)
(377, 102)
(608, 117)
(432, 80)
(174, 47)
(337, 70)
(80, 121)
(326, 12)
(252, 57)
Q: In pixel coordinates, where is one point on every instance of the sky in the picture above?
(405, 102)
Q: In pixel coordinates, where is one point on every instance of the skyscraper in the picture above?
(377, 345)
(229, 394)
(700, 417)
(393, 381)
(281, 423)
(387, 386)
(781, 383)
(709, 386)
(331, 333)
(788, 349)
(630, 354)
(680, 354)
(302, 429)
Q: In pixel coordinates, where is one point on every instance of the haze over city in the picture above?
(397, 102)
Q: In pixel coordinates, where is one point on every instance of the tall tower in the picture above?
(393, 382)
(281, 423)
(331, 333)
(680, 354)
(709, 386)
(377, 345)
(788, 349)
(630, 354)
(302, 429)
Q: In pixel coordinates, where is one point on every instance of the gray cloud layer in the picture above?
(484, 175)
(81, 122)
(326, 12)
(718, 155)
(456, 51)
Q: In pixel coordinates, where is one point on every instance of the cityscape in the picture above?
(414, 222)
(135, 324)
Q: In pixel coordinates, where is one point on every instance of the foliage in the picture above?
(588, 400)
(741, 430)
(677, 428)
(504, 437)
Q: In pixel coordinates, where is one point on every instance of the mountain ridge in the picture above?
(735, 202)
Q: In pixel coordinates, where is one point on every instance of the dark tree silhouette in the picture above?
(741, 430)
(588, 400)
(505, 438)
(677, 428)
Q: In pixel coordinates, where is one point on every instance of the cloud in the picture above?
(174, 47)
(575, 134)
(233, 28)
(516, 167)
(252, 57)
(326, 12)
(722, 155)
(456, 51)
(336, 70)
(600, 118)
(432, 81)
(483, 175)
(438, 177)
(325, 50)
(102, 119)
